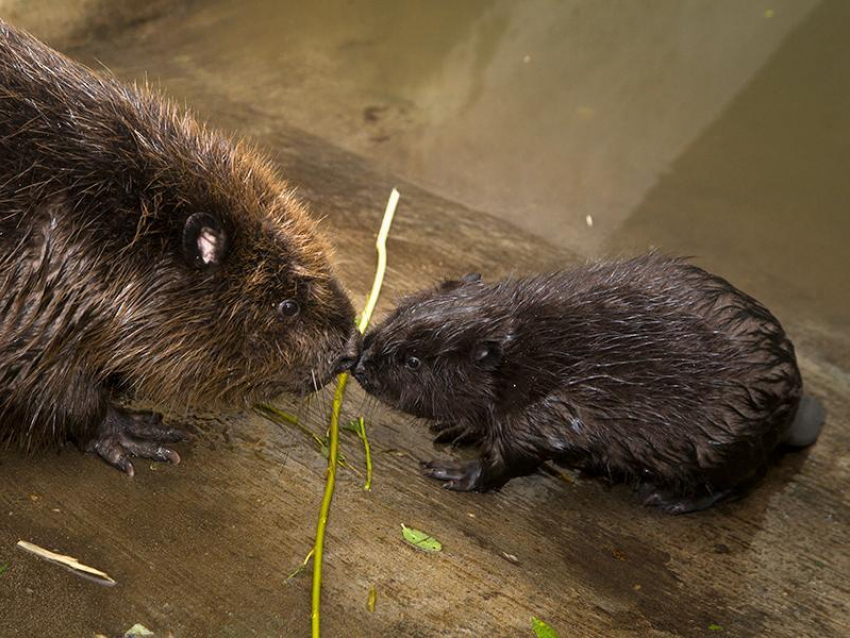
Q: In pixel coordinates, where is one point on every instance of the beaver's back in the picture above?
(104, 149)
(673, 370)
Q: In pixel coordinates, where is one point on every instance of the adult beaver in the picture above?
(140, 251)
(649, 370)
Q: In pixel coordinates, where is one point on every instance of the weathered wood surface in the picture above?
(204, 549)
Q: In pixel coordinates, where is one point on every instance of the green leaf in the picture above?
(352, 426)
(421, 540)
(715, 627)
(4, 568)
(541, 629)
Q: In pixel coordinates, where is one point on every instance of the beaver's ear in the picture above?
(468, 278)
(205, 243)
(488, 354)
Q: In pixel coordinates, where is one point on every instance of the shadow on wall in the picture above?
(63, 24)
(762, 195)
(541, 112)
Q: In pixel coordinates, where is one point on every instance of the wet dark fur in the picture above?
(108, 197)
(650, 370)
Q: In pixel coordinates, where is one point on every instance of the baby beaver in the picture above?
(651, 371)
(141, 252)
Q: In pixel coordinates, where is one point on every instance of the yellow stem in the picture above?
(368, 485)
(333, 452)
(381, 245)
(333, 434)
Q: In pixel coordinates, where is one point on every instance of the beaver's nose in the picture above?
(352, 352)
(359, 369)
(344, 363)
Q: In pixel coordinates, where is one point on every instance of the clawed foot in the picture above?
(453, 434)
(462, 476)
(478, 475)
(124, 434)
(672, 503)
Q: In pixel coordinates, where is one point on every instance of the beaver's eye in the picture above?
(288, 308)
(413, 363)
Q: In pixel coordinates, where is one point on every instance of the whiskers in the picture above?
(314, 409)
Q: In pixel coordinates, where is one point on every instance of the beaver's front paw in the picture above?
(465, 476)
(123, 434)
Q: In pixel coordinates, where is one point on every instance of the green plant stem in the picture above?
(381, 245)
(284, 416)
(368, 485)
(330, 481)
(302, 566)
(281, 418)
(339, 395)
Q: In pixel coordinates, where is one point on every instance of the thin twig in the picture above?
(362, 422)
(276, 416)
(302, 566)
(381, 245)
(285, 416)
(333, 434)
(282, 418)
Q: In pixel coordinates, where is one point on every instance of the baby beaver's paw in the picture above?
(671, 503)
(465, 476)
(124, 433)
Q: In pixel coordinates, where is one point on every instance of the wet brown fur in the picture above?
(97, 293)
